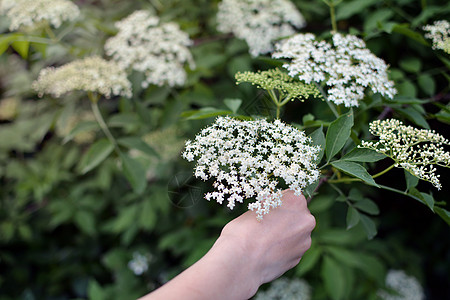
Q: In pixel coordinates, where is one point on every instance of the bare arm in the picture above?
(247, 254)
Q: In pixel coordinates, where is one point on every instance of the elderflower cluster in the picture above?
(259, 22)
(275, 79)
(33, 13)
(285, 289)
(139, 264)
(347, 67)
(415, 150)
(405, 287)
(248, 159)
(91, 74)
(439, 33)
(158, 50)
(65, 126)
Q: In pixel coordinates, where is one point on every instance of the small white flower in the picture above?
(439, 32)
(249, 158)
(405, 287)
(31, 13)
(158, 50)
(259, 22)
(139, 264)
(91, 74)
(415, 150)
(285, 289)
(347, 67)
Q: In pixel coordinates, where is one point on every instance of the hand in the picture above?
(275, 244)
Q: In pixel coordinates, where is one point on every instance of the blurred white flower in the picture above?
(32, 13)
(259, 22)
(249, 158)
(347, 67)
(91, 74)
(439, 33)
(285, 289)
(158, 50)
(415, 150)
(405, 287)
(139, 263)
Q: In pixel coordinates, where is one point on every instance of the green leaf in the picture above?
(367, 206)
(352, 217)
(404, 29)
(427, 84)
(308, 261)
(80, 127)
(429, 200)
(338, 134)
(350, 8)
(97, 153)
(21, 47)
(320, 203)
(135, 142)
(411, 64)
(414, 116)
(411, 180)
(95, 291)
(355, 170)
(318, 139)
(233, 104)
(363, 155)
(369, 226)
(85, 220)
(334, 278)
(134, 172)
(443, 213)
(204, 113)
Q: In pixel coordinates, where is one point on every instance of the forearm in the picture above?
(223, 273)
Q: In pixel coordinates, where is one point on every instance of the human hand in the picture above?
(275, 244)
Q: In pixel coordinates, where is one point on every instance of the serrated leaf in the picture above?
(367, 206)
(369, 226)
(97, 153)
(355, 170)
(135, 142)
(352, 217)
(338, 134)
(134, 172)
(233, 104)
(363, 155)
(318, 139)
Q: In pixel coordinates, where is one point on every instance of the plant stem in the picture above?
(101, 122)
(333, 16)
(383, 172)
(424, 4)
(330, 105)
(50, 33)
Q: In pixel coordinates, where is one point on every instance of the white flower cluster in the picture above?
(439, 33)
(259, 22)
(415, 150)
(406, 287)
(347, 67)
(91, 74)
(248, 159)
(32, 13)
(139, 263)
(160, 51)
(285, 289)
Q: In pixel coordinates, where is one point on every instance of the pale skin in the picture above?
(247, 254)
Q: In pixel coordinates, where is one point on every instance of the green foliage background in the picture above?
(71, 218)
